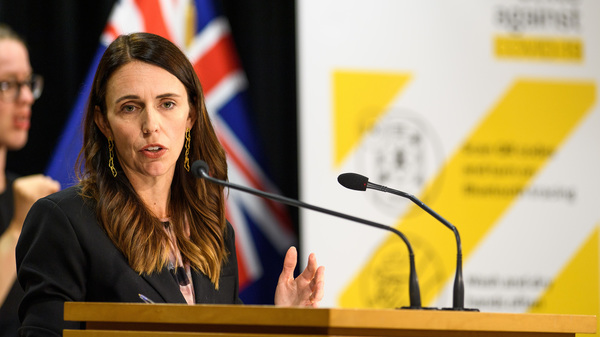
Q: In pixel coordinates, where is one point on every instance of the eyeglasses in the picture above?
(10, 90)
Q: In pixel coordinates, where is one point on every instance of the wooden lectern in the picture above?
(125, 319)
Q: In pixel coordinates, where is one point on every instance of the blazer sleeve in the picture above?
(51, 269)
(231, 248)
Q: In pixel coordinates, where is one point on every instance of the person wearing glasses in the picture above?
(139, 226)
(19, 88)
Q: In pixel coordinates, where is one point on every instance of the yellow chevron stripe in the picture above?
(575, 290)
(359, 99)
(518, 136)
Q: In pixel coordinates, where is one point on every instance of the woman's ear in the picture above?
(192, 117)
(101, 122)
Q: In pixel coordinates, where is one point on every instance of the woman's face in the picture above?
(147, 116)
(15, 112)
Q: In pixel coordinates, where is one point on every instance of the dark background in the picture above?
(63, 36)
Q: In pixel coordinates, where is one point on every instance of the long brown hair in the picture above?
(127, 221)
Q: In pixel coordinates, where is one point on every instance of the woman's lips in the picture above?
(153, 151)
(22, 123)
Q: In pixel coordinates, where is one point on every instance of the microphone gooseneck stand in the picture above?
(361, 183)
(200, 169)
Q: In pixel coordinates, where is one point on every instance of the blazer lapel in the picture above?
(166, 286)
(204, 289)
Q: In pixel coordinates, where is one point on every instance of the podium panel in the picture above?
(161, 320)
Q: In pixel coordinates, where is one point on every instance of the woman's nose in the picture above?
(150, 121)
(24, 94)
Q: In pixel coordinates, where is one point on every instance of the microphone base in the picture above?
(461, 309)
(419, 308)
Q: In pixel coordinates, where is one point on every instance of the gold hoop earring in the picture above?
(186, 161)
(111, 157)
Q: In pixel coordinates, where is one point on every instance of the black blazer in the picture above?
(9, 319)
(63, 254)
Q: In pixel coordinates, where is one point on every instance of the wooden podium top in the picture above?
(250, 320)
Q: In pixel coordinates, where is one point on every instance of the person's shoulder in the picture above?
(228, 226)
(229, 234)
(229, 230)
(70, 196)
(67, 203)
(66, 194)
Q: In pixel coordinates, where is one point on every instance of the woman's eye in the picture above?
(129, 108)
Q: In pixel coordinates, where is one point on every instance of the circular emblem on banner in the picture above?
(387, 282)
(402, 152)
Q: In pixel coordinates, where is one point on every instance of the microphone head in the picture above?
(198, 167)
(353, 181)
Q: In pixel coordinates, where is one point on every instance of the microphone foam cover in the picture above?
(353, 181)
(198, 166)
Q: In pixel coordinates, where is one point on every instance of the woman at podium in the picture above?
(139, 225)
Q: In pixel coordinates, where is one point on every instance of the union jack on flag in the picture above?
(263, 228)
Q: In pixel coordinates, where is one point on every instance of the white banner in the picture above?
(487, 111)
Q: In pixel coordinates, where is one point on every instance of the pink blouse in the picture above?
(181, 271)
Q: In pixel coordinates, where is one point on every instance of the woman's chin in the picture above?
(154, 170)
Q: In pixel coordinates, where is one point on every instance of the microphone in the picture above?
(358, 182)
(200, 170)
